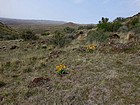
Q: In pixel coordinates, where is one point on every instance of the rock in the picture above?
(114, 36)
(1, 98)
(3, 47)
(44, 46)
(14, 47)
(113, 41)
(120, 47)
(38, 82)
(81, 32)
(45, 41)
(33, 42)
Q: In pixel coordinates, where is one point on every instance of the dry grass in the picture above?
(96, 78)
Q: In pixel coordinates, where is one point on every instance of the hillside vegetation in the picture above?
(73, 65)
(7, 32)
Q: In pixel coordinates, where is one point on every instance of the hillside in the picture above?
(135, 16)
(7, 32)
(9, 21)
(37, 26)
(73, 65)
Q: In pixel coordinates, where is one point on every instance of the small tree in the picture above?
(104, 20)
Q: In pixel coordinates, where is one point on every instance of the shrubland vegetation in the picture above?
(58, 39)
(7, 33)
(97, 36)
(69, 30)
(105, 25)
(28, 35)
(82, 65)
(45, 34)
(87, 27)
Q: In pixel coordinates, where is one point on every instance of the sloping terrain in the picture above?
(9, 21)
(100, 68)
(37, 26)
(7, 32)
(101, 77)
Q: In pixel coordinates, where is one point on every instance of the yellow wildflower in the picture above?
(57, 67)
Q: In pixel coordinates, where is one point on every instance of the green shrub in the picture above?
(7, 33)
(69, 30)
(58, 39)
(134, 21)
(45, 34)
(80, 27)
(8, 37)
(116, 26)
(104, 25)
(136, 29)
(123, 29)
(86, 27)
(29, 93)
(29, 35)
(96, 36)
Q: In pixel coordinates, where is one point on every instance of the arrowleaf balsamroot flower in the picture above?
(61, 69)
(91, 48)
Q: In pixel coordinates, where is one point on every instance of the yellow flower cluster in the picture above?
(60, 67)
(91, 47)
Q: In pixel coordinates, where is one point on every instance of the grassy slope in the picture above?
(94, 78)
(103, 77)
(6, 30)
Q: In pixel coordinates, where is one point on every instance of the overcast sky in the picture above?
(79, 11)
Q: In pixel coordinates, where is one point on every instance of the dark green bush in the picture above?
(29, 35)
(98, 36)
(104, 25)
